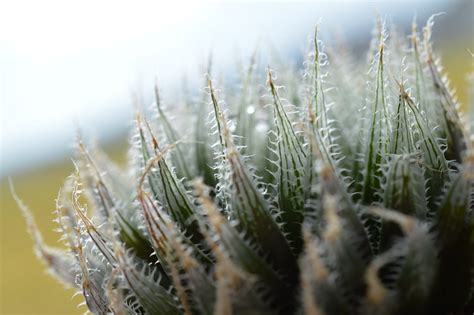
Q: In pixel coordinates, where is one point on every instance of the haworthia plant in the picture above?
(357, 197)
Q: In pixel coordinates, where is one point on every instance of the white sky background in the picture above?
(74, 63)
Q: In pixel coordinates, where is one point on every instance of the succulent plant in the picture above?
(353, 195)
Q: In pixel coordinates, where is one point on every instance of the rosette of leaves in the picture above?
(355, 198)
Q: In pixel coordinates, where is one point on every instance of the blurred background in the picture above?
(66, 65)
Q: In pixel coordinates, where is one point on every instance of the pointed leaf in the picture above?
(250, 209)
(291, 171)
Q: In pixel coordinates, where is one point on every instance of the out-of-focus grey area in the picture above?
(67, 65)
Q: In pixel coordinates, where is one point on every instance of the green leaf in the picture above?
(204, 155)
(290, 174)
(167, 188)
(376, 141)
(402, 141)
(134, 238)
(436, 166)
(92, 279)
(100, 241)
(404, 188)
(250, 210)
(153, 297)
(407, 270)
(200, 283)
(345, 239)
(237, 291)
(454, 227)
(224, 239)
(109, 202)
(245, 121)
(317, 91)
(404, 191)
(177, 155)
(320, 293)
(451, 128)
(376, 145)
(420, 88)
